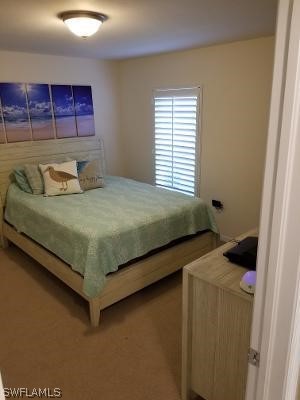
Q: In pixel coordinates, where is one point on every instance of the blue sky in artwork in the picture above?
(39, 101)
(83, 100)
(13, 101)
(62, 100)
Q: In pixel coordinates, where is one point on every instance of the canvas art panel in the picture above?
(40, 112)
(84, 110)
(2, 131)
(64, 112)
(15, 112)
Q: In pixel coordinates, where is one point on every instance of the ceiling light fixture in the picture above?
(83, 23)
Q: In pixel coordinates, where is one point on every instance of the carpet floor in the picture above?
(46, 340)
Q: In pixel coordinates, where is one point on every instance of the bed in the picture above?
(86, 248)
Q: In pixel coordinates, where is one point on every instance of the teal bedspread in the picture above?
(100, 229)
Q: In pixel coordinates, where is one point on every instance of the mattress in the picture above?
(98, 230)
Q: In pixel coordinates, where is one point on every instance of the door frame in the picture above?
(276, 317)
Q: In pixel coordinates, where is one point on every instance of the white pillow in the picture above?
(60, 178)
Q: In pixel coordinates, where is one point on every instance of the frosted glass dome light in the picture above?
(83, 23)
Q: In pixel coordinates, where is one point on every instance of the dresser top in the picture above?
(214, 268)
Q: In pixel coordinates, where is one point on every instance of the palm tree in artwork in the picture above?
(60, 177)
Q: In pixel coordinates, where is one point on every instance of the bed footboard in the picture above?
(94, 311)
(122, 283)
(4, 242)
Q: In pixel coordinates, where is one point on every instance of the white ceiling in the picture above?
(135, 27)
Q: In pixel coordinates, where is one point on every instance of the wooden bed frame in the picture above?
(120, 284)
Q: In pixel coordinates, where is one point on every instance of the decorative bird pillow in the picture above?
(60, 178)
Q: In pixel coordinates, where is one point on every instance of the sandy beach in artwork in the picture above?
(2, 133)
(17, 131)
(42, 130)
(85, 125)
(65, 126)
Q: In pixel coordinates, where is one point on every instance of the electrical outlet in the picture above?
(217, 204)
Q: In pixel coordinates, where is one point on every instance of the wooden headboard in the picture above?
(17, 154)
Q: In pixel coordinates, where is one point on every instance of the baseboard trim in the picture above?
(225, 238)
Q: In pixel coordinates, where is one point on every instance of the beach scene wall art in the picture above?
(39, 111)
(84, 110)
(2, 131)
(64, 111)
(15, 112)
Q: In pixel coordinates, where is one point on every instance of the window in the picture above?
(176, 129)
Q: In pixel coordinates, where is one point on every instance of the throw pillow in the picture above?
(60, 178)
(90, 174)
(34, 178)
(21, 179)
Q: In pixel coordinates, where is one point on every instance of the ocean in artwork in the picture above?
(64, 112)
(15, 112)
(84, 110)
(40, 112)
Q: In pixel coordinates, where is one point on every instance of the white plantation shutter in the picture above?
(176, 139)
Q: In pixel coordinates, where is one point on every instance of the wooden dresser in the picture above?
(217, 318)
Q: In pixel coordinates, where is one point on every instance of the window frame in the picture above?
(198, 153)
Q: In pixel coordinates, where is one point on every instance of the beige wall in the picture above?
(236, 82)
(101, 75)
(235, 79)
